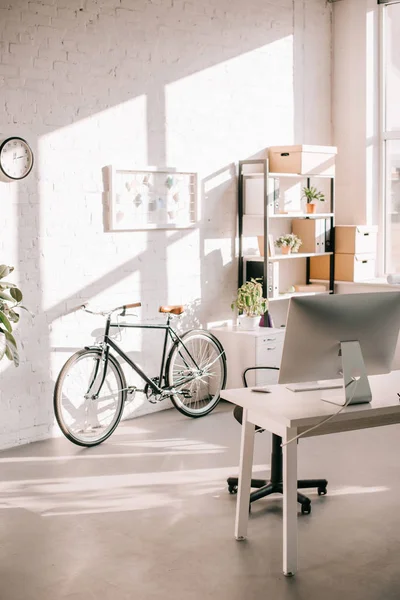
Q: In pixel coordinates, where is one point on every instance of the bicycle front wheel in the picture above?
(87, 416)
(196, 369)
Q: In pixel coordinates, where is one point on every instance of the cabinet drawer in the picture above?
(278, 336)
(269, 350)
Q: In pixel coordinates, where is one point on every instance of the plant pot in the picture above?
(286, 250)
(311, 208)
(248, 323)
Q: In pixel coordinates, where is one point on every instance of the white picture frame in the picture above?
(142, 199)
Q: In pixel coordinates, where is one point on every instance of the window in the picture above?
(391, 134)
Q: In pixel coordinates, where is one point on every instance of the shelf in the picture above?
(253, 225)
(301, 175)
(253, 178)
(376, 281)
(296, 295)
(299, 216)
(287, 256)
(290, 175)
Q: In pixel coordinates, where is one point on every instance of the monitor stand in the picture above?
(354, 391)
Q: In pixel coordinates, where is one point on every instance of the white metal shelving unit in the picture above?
(270, 191)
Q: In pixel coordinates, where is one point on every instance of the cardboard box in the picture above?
(314, 233)
(319, 267)
(355, 239)
(354, 267)
(348, 267)
(304, 160)
(310, 287)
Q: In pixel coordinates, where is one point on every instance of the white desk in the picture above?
(289, 413)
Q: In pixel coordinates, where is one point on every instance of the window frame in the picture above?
(385, 136)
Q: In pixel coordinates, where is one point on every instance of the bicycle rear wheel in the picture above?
(83, 419)
(196, 369)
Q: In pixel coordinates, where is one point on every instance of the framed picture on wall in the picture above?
(152, 199)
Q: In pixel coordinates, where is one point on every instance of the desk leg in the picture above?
(290, 504)
(245, 468)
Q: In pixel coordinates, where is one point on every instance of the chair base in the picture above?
(266, 488)
(275, 484)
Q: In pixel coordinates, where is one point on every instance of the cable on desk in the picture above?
(353, 379)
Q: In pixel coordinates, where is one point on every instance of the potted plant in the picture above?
(10, 299)
(250, 302)
(289, 242)
(311, 194)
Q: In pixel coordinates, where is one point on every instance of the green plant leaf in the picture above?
(3, 345)
(12, 348)
(6, 297)
(12, 355)
(249, 298)
(13, 316)
(5, 321)
(5, 270)
(27, 310)
(16, 294)
(5, 285)
(10, 338)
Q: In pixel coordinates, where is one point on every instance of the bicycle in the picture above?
(91, 388)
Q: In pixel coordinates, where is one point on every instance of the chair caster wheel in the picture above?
(322, 491)
(306, 508)
(233, 489)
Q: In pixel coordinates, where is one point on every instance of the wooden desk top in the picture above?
(283, 408)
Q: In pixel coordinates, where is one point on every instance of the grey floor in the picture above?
(147, 515)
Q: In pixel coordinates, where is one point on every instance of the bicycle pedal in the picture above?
(156, 399)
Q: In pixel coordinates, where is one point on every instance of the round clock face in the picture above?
(16, 158)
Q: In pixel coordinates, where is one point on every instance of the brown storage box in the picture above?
(310, 287)
(319, 267)
(305, 160)
(355, 239)
(348, 267)
(354, 267)
(312, 234)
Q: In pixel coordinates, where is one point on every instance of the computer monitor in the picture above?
(346, 336)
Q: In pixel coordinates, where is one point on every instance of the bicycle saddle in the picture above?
(176, 309)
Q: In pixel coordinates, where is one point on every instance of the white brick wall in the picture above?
(138, 82)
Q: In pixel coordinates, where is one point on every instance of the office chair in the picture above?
(275, 484)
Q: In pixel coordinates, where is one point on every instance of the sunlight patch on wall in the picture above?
(222, 113)
(220, 248)
(81, 260)
(72, 182)
(219, 179)
(183, 267)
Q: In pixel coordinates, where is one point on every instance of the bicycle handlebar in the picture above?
(109, 312)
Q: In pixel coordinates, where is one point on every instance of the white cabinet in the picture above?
(259, 348)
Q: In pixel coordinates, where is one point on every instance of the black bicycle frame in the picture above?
(108, 342)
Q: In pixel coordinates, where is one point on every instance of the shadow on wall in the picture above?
(101, 88)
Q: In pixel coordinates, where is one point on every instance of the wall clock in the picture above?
(16, 159)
